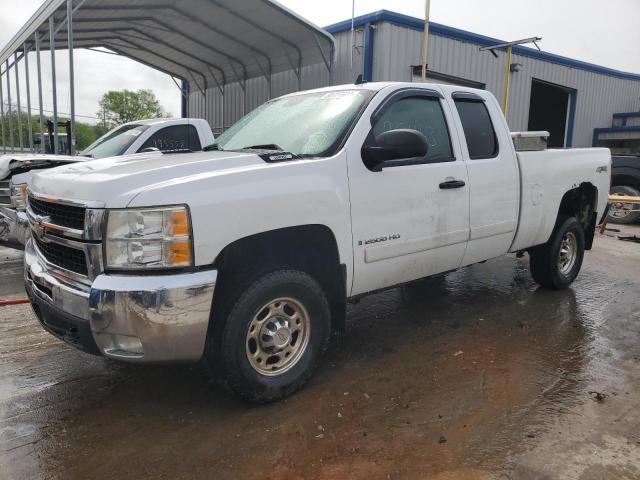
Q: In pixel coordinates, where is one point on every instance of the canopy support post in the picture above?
(297, 68)
(42, 144)
(4, 137)
(203, 91)
(20, 136)
(243, 85)
(26, 76)
(54, 94)
(72, 93)
(221, 90)
(11, 142)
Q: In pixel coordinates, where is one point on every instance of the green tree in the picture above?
(85, 135)
(118, 107)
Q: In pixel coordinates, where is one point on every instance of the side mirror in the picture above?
(148, 150)
(399, 144)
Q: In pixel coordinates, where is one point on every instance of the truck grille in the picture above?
(63, 215)
(5, 193)
(62, 256)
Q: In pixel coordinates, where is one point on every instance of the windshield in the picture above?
(114, 142)
(309, 124)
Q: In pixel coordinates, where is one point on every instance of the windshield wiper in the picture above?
(213, 146)
(266, 146)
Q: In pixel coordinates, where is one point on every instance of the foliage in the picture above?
(85, 133)
(118, 107)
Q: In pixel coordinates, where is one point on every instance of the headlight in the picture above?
(148, 238)
(18, 195)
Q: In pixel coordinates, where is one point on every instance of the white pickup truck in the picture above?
(157, 134)
(245, 255)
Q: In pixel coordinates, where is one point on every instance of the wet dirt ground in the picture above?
(479, 376)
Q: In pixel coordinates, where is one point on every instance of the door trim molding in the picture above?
(383, 252)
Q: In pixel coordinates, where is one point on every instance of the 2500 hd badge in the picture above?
(393, 236)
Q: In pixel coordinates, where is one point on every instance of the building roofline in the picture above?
(626, 115)
(632, 128)
(463, 35)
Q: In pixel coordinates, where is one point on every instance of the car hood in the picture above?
(115, 181)
(23, 162)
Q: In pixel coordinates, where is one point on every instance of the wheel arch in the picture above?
(311, 248)
(581, 202)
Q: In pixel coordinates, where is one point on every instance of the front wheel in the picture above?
(556, 264)
(273, 337)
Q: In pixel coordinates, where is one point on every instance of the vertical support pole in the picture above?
(205, 96)
(270, 91)
(332, 65)
(184, 105)
(507, 75)
(367, 64)
(244, 99)
(11, 141)
(15, 67)
(425, 39)
(4, 137)
(26, 76)
(42, 145)
(244, 95)
(353, 34)
(224, 115)
(72, 93)
(52, 46)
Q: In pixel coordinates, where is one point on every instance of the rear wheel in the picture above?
(556, 264)
(624, 213)
(273, 337)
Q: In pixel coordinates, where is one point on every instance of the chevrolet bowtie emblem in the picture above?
(38, 225)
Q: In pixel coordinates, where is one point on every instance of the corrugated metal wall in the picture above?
(257, 90)
(598, 96)
(397, 48)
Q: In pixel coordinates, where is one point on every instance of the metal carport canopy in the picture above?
(204, 42)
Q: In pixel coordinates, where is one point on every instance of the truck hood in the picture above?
(115, 181)
(23, 162)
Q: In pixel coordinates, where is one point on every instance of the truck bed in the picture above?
(545, 176)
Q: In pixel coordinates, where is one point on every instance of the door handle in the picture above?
(449, 184)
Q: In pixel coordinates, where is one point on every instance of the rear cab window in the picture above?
(479, 133)
(174, 138)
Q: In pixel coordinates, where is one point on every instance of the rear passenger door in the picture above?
(174, 138)
(493, 176)
(407, 221)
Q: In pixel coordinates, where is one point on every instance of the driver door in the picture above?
(407, 221)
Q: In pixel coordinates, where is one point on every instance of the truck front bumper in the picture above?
(14, 228)
(144, 319)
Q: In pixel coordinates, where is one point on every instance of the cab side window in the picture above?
(478, 129)
(176, 137)
(420, 113)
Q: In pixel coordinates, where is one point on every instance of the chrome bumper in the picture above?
(144, 319)
(14, 228)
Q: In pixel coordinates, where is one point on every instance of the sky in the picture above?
(604, 33)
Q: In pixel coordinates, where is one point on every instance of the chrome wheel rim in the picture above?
(277, 336)
(568, 253)
(621, 209)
